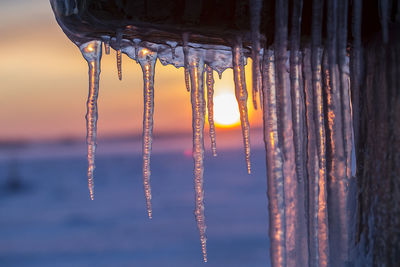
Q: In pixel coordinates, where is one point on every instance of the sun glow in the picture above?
(226, 111)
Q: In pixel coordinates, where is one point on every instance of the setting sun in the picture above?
(226, 111)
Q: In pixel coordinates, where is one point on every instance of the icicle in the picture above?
(338, 132)
(91, 51)
(356, 66)
(255, 15)
(295, 146)
(106, 42)
(119, 55)
(335, 165)
(241, 96)
(275, 178)
(384, 14)
(196, 70)
(312, 161)
(119, 63)
(296, 92)
(210, 105)
(136, 43)
(185, 39)
(147, 60)
(344, 85)
(285, 131)
(320, 185)
(107, 48)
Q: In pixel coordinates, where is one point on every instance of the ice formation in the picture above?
(91, 51)
(210, 107)
(199, 62)
(119, 55)
(255, 14)
(241, 95)
(147, 60)
(196, 72)
(305, 89)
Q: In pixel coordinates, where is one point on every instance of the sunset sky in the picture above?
(43, 84)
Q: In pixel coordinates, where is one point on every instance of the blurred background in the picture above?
(46, 216)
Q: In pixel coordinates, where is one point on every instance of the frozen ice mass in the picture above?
(307, 88)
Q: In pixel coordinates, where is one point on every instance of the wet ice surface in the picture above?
(52, 222)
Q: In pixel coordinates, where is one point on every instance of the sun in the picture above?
(226, 111)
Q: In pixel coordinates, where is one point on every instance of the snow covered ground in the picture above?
(47, 219)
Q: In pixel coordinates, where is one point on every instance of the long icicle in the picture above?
(312, 161)
(336, 166)
(320, 185)
(196, 70)
(339, 185)
(185, 40)
(285, 131)
(275, 178)
(91, 51)
(210, 107)
(344, 85)
(255, 14)
(241, 96)
(147, 60)
(299, 136)
(356, 66)
(296, 92)
(119, 55)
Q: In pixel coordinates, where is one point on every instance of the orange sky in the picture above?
(43, 83)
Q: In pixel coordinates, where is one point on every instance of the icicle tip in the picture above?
(91, 194)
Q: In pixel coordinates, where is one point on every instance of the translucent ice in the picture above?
(91, 51)
(147, 60)
(196, 71)
(241, 96)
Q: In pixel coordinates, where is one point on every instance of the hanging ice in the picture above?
(196, 71)
(210, 105)
(241, 96)
(106, 45)
(276, 190)
(185, 40)
(119, 55)
(297, 91)
(310, 98)
(255, 14)
(287, 126)
(312, 161)
(319, 206)
(339, 133)
(355, 66)
(384, 14)
(147, 60)
(91, 51)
